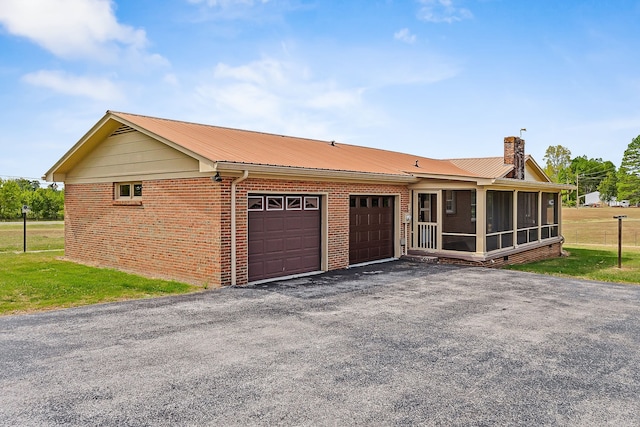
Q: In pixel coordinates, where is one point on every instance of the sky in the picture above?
(435, 78)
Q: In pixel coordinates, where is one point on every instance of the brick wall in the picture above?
(175, 233)
(553, 250)
(182, 228)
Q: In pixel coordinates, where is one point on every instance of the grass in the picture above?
(41, 281)
(590, 263)
(596, 226)
(36, 281)
(591, 239)
(41, 236)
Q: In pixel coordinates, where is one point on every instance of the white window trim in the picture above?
(317, 203)
(269, 208)
(299, 208)
(261, 203)
(131, 196)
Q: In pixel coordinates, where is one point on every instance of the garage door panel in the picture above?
(283, 242)
(293, 243)
(274, 223)
(371, 220)
(256, 247)
(273, 245)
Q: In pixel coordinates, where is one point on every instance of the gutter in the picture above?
(234, 246)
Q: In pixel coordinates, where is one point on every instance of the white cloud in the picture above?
(71, 28)
(404, 35)
(259, 72)
(100, 89)
(227, 3)
(281, 97)
(442, 11)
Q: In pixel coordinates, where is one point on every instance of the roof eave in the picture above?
(308, 173)
(83, 144)
(511, 182)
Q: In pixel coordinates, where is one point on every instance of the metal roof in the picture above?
(485, 167)
(226, 147)
(220, 144)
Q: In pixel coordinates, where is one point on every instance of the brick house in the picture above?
(220, 206)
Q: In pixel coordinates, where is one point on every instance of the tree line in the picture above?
(44, 203)
(591, 175)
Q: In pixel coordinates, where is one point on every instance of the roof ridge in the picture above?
(474, 158)
(275, 134)
(223, 127)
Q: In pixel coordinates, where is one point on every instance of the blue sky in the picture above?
(436, 78)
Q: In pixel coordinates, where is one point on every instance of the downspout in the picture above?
(234, 257)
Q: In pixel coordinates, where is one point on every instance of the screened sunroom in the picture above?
(482, 223)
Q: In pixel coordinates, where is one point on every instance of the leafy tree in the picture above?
(10, 199)
(557, 158)
(629, 173)
(27, 185)
(608, 187)
(44, 203)
(587, 174)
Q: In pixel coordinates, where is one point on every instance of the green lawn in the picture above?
(41, 281)
(594, 263)
(40, 236)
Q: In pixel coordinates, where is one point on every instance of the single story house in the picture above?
(219, 206)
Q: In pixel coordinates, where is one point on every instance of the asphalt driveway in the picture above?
(388, 344)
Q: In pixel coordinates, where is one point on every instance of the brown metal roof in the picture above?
(485, 167)
(219, 144)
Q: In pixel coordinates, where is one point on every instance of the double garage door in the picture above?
(285, 233)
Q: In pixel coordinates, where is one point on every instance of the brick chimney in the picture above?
(514, 155)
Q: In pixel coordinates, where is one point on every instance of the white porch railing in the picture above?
(427, 236)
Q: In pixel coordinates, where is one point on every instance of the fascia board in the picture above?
(84, 144)
(303, 173)
(517, 183)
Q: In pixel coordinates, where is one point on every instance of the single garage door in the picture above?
(370, 228)
(284, 235)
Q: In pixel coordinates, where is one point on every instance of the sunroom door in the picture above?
(426, 236)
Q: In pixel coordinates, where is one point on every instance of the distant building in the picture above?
(593, 199)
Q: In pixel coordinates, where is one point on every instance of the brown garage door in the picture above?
(284, 235)
(370, 228)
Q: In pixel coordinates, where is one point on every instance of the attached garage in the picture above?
(370, 228)
(284, 235)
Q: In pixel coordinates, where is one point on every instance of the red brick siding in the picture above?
(553, 250)
(175, 233)
(182, 229)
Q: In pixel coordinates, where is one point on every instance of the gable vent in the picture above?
(123, 129)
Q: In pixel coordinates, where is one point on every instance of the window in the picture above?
(473, 206)
(255, 203)
(450, 201)
(311, 203)
(549, 208)
(275, 203)
(499, 220)
(527, 209)
(128, 191)
(294, 203)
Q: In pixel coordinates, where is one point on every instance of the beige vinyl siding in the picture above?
(531, 174)
(132, 154)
